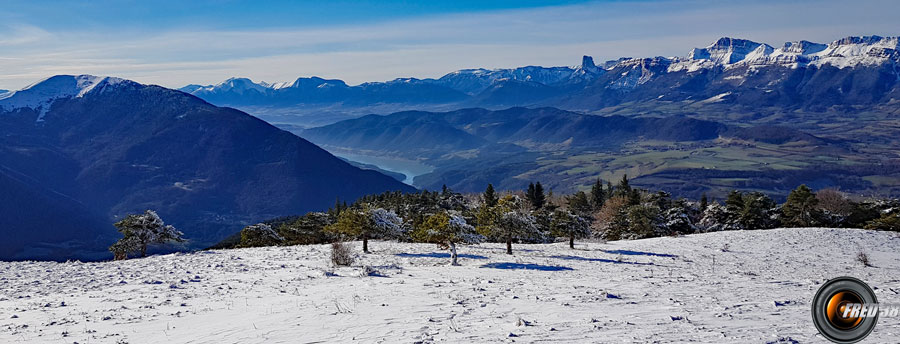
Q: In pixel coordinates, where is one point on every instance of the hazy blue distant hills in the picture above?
(566, 151)
(80, 152)
(414, 134)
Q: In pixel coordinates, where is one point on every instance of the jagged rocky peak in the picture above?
(612, 63)
(587, 64)
(725, 50)
(803, 47)
(867, 40)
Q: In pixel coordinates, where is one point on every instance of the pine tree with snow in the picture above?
(716, 218)
(679, 218)
(447, 230)
(516, 225)
(565, 224)
(140, 231)
(364, 223)
(386, 224)
(258, 235)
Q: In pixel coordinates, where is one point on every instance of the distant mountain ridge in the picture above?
(473, 147)
(454, 87)
(79, 152)
(414, 134)
(798, 74)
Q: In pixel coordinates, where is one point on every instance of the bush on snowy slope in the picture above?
(260, 234)
(306, 229)
(889, 221)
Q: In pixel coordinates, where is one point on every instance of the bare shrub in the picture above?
(834, 201)
(863, 259)
(341, 254)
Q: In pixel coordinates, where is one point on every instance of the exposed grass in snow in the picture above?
(747, 286)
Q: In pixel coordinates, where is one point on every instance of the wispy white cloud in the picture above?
(428, 47)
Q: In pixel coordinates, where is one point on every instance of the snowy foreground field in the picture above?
(727, 287)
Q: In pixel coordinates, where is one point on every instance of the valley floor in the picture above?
(726, 287)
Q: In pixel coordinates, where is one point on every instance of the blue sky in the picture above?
(173, 43)
(233, 14)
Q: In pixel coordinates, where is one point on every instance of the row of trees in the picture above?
(605, 211)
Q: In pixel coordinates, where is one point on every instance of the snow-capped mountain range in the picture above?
(484, 87)
(850, 71)
(843, 53)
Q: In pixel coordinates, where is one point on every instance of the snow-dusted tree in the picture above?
(121, 248)
(516, 225)
(678, 219)
(447, 230)
(258, 235)
(565, 224)
(140, 231)
(716, 218)
(367, 224)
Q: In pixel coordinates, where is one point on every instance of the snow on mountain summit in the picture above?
(40, 95)
(847, 52)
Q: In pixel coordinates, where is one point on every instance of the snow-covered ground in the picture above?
(727, 287)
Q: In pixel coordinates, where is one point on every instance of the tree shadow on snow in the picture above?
(602, 260)
(639, 253)
(439, 255)
(521, 266)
